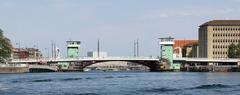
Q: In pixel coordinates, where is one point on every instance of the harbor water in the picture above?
(120, 83)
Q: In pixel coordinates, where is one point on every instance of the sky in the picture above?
(116, 23)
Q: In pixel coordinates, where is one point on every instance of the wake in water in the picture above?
(3, 88)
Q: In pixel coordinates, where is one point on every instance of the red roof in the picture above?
(183, 43)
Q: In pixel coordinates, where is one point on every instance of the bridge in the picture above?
(166, 62)
(153, 63)
(85, 59)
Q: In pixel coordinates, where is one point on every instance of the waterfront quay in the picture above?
(14, 68)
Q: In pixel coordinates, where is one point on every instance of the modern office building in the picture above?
(215, 36)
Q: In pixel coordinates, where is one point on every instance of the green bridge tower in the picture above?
(73, 49)
(72, 52)
(167, 52)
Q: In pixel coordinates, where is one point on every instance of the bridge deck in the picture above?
(121, 59)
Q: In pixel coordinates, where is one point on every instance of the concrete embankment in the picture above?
(13, 68)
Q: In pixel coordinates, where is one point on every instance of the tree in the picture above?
(5, 47)
(234, 51)
(238, 50)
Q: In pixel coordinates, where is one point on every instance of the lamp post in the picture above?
(47, 50)
(36, 53)
(19, 46)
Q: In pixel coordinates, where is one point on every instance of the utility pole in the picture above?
(47, 51)
(137, 48)
(19, 46)
(52, 48)
(98, 48)
(134, 53)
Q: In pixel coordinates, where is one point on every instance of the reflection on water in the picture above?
(120, 83)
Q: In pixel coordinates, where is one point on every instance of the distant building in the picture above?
(185, 48)
(215, 37)
(26, 53)
(96, 54)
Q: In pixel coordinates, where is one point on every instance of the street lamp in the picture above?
(47, 50)
(36, 52)
(19, 45)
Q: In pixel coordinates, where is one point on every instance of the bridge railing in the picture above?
(208, 59)
(83, 58)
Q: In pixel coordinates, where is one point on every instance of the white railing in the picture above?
(83, 58)
(209, 59)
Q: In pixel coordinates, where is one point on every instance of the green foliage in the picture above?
(5, 47)
(234, 51)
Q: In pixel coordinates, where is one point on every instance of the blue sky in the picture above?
(117, 23)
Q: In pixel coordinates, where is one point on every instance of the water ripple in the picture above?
(70, 79)
(211, 86)
(108, 77)
(162, 90)
(43, 80)
(123, 77)
(81, 94)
